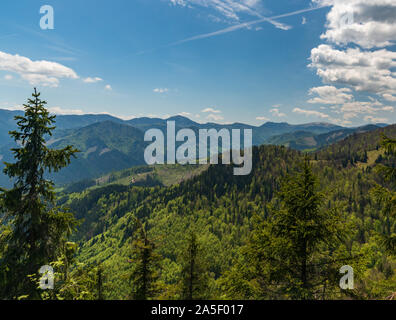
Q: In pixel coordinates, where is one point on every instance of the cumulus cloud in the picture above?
(389, 97)
(8, 77)
(42, 72)
(330, 95)
(355, 57)
(108, 87)
(362, 70)
(368, 23)
(352, 109)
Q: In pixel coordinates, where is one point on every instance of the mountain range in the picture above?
(108, 144)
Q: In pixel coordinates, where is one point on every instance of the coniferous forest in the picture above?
(281, 233)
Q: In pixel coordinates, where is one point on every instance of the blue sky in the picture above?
(205, 59)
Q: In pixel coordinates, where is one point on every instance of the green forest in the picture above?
(281, 233)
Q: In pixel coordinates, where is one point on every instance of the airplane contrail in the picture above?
(234, 28)
(246, 24)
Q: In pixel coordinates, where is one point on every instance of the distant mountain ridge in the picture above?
(305, 140)
(109, 144)
(67, 122)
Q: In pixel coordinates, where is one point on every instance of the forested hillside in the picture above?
(306, 140)
(223, 211)
(281, 232)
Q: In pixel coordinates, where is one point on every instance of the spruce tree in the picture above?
(194, 277)
(291, 253)
(36, 227)
(145, 273)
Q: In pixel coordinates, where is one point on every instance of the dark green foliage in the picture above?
(222, 208)
(146, 265)
(79, 186)
(303, 140)
(35, 227)
(292, 251)
(194, 274)
(387, 197)
(353, 149)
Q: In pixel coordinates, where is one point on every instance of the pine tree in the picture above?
(194, 277)
(145, 274)
(36, 226)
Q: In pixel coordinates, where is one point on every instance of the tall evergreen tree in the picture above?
(145, 273)
(291, 250)
(194, 277)
(36, 226)
(386, 195)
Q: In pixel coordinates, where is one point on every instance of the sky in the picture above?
(223, 61)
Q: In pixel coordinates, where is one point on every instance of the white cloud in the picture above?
(364, 107)
(389, 97)
(388, 108)
(211, 110)
(354, 109)
(275, 112)
(362, 70)
(60, 111)
(42, 72)
(7, 106)
(375, 120)
(185, 114)
(368, 23)
(108, 87)
(214, 117)
(304, 20)
(357, 32)
(92, 80)
(262, 119)
(161, 90)
(311, 113)
(54, 110)
(8, 77)
(330, 95)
